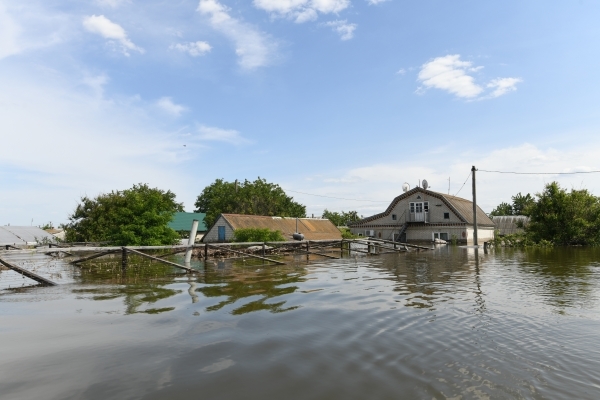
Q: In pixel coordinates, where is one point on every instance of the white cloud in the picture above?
(111, 3)
(401, 71)
(301, 10)
(96, 83)
(253, 48)
(503, 85)
(166, 104)
(451, 74)
(26, 26)
(9, 33)
(375, 2)
(221, 135)
(343, 28)
(194, 49)
(104, 27)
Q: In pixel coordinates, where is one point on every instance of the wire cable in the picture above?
(463, 185)
(540, 173)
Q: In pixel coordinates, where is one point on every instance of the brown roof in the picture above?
(311, 228)
(463, 208)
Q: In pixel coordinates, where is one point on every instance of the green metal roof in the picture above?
(182, 221)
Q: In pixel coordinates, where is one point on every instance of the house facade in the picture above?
(224, 228)
(420, 215)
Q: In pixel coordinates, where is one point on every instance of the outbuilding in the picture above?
(312, 228)
(420, 215)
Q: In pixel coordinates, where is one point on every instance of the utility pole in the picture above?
(473, 169)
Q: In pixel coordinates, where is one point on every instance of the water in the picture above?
(443, 324)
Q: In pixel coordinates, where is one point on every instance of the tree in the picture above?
(565, 218)
(251, 198)
(136, 216)
(502, 209)
(521, 204)
(341, 219)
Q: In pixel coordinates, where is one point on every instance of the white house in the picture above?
(420, 215)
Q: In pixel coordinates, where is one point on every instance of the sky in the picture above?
(340, 102)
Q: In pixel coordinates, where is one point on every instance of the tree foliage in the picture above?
(565, 217)
(520, 206)
(341, 219)
(131, 217)
(252, 198)
(257, 235)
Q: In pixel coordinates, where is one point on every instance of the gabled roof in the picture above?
(22, 235)
(182, 221)
(463, 208)
(311, 228)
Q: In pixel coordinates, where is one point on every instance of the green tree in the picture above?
(251, 198)
(521, 204)
(341, 219)
(502, 209)
(565, 218)
(131, 217)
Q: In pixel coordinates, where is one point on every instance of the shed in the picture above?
(509, 224)
(312, 228)
(23, 235)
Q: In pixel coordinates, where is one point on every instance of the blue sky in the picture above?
(336, 98)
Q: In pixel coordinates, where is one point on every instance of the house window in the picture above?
(426, 206)
(394, 217)
(447, 215)
(419, 197)
(412, 207)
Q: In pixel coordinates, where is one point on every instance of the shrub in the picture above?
(257, 235)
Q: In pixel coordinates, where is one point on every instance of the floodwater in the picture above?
(448, 323)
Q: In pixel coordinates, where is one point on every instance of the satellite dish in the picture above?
(425, 184)
(405, 187)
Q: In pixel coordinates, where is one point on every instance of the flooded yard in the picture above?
(448, 323)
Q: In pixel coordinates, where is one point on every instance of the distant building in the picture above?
(509, 224)
(57, 233)
(182, 222)
(24, 235)
(312, 228)
(423, 215)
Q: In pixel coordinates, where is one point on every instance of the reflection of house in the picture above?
(311, 228)
(509, 224)
(423, 215)
(182, 222)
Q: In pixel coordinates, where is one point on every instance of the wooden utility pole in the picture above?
(473, 169)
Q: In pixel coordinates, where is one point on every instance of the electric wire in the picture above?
(540, 173)
(463, 185)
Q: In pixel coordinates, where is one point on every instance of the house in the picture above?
(182, 222)
(312, 228)
(422, 215)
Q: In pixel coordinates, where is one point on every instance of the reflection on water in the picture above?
(450, 323)
(262, 284)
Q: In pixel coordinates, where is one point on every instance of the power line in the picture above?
(463, 185)
(540, 173)
(338, 198)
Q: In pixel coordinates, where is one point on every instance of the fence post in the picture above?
(123, 259)
(191, 241)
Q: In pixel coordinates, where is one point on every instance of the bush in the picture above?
(346, 234)
(257, 235)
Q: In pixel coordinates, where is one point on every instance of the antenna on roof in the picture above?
(425, 184)
(405, 187)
